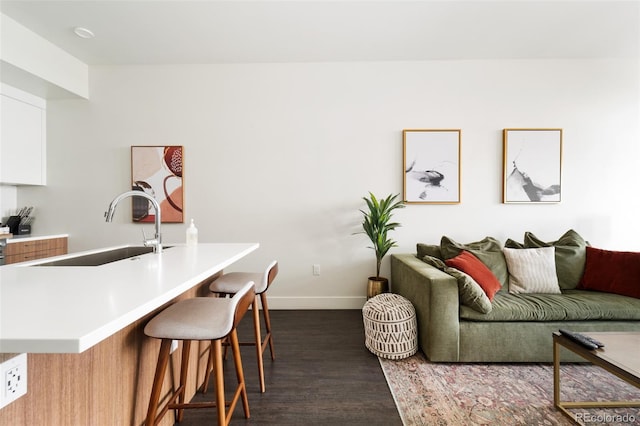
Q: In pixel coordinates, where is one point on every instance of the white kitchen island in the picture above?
(68, 309)
(82, 327)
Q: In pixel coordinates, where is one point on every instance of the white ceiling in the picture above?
(179, 31)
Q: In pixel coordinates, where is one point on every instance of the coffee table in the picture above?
(619, 357)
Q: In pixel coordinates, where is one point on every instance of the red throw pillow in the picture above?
(471, 265)
(612, 272)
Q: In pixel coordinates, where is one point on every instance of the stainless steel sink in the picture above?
(101, 258)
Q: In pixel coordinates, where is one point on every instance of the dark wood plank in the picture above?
(323, 374)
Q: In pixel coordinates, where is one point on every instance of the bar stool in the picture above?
(229, 284)
(199, 318)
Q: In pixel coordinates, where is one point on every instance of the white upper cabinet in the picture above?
(23, 138)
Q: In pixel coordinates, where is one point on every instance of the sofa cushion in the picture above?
(513, 244)
(432, 250)
(570, 255)
(470, 292)
(571, 305)
(469, 264)
(488, 250)
(532, 270)
(612, 272)
(434, 261)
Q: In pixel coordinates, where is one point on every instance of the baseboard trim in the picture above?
(316, 302)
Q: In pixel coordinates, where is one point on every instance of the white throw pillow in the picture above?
(532, 270)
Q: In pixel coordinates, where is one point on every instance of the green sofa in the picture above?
(518, 328)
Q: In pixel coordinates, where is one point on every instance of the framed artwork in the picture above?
(532, 165)
(431, 166)
(158, 171)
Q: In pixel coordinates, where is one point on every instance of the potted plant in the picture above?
(377, 224)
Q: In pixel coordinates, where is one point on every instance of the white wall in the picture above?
(8, 201)
(281, 154)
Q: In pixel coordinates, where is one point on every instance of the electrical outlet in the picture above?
(13, 374)
(316, 269)
(174, 346)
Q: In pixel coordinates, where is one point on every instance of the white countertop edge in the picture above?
(62, 346)
(22, 238)
(81, 344)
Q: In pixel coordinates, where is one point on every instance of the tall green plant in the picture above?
(377, 223)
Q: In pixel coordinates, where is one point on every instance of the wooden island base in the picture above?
(108, 384)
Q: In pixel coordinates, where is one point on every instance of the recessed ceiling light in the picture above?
(83, 32)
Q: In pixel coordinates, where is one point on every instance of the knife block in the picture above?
(13, 223)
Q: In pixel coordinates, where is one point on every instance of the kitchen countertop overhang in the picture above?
(32, 237)
(68, 309)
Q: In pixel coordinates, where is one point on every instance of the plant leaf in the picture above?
(377, 222)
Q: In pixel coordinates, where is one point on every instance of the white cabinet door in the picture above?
(22, 139)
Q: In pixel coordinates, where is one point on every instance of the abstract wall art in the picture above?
(158, 171)
(431, 166)
(532, 165)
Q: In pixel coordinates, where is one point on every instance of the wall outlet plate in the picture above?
(13, 377)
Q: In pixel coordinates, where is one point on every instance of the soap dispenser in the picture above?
(192, 235)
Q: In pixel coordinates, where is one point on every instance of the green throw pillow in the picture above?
(470, 292)
(488, 250)
(571, 255)
(428, 250)
(513, 244)
(434, 261)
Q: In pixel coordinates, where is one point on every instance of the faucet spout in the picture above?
(156, 241)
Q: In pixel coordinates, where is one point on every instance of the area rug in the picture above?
(429, 393)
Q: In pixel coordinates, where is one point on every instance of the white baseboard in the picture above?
(316, 302)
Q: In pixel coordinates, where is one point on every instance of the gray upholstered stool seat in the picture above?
(390, 326)
(230, 283)
(199, 318)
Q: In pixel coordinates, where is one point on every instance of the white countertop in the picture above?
(68, 309)
(29, 237)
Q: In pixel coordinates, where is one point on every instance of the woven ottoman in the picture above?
(390, 327)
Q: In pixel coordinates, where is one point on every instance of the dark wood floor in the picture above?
(323, 375)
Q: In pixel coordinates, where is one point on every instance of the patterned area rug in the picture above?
(502, 394)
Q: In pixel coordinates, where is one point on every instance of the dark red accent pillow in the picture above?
(612, 272)
(471, 265)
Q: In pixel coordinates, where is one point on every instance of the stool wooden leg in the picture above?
(225, 341)
(219, 376)
(267, 323)
(207, 374)
(237, 360)
(256, 328)
(161, 368)
(184, 369)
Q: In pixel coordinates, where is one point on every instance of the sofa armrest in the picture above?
(434, 294)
